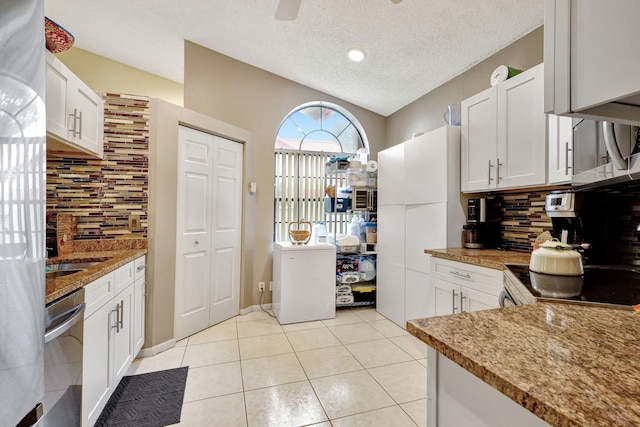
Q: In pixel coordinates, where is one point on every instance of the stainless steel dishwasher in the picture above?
(63, 361)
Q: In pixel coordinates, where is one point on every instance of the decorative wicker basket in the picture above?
(299, 236)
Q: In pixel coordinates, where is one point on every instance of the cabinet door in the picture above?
(478, 141)
(444, 297)
(426, 228)
(522, 147)
(96, 373)
(417, 295)
(560, 145)
(425, 168)
(139, 300)
(90, 120)
(121, 336)
(473, 300)
(390, 176)
(390, 291)
(57, 89)
(603, 35)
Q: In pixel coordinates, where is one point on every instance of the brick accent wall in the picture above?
(102, 194)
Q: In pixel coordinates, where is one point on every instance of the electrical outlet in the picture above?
(261, 286)
(134, 222)
(270, 286)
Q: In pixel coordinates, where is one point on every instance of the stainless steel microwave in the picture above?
(604, 153)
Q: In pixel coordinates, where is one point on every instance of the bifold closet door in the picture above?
(209, 206)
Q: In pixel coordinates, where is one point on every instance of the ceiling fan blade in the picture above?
(287, 10)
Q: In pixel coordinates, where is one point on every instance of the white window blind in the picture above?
(299, 189)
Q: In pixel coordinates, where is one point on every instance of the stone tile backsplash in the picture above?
(102, 194)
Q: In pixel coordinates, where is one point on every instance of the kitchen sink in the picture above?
(72, 265)
(59, 273)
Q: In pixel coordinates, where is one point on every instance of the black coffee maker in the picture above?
(476, 231)
(563, 208)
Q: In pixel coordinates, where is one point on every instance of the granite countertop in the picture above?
(491, 258)
(569, 364)
(110, 261)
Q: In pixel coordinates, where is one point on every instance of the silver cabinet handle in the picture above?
(489, 170)
(453, 300)
(74, 116)
(117, 322)
(121, 316)
(141, 267)
(462, 297)
(567, 150)
(196, 243)
(456, 273)
(498, 164)
(80, 127)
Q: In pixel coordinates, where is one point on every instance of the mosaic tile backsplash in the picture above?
(102, 194)
(523, 219)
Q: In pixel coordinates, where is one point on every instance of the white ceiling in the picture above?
(412, 47)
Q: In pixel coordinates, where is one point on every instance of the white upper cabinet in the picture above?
(431, 166)
(75, 114)
(504, 141)
(522, 148)
(391, 176)
(560, 144)
(478, 141)
(591, 60)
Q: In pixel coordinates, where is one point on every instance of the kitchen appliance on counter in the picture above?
(564, 208)
(480, 231)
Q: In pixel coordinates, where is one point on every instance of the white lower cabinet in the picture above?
(111, 336)
(456, 287)
(457, 398)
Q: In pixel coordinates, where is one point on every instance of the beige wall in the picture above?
(425, 114)
(163, 178)
(104, 75)
(257, 101)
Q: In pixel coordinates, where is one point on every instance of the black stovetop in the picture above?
(608, 284)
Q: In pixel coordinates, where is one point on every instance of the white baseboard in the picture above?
(249, 309)
(152, 351)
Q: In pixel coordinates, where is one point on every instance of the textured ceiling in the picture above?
(412, 47)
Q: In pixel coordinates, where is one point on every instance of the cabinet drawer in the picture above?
(123, 277)
(97, 293)
(140, 270)
(471, 276)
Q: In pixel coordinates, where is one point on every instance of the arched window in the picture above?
(307, 139)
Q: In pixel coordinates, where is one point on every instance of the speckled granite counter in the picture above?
(491, 258)
(569, 364)
(110, 261)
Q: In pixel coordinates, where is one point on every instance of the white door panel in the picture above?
(227, 231)
(425, 229)
(209, 227)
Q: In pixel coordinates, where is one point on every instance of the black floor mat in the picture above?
(146, 400)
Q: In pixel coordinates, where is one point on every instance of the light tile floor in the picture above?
(358, 369)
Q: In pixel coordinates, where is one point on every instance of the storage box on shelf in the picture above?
(352, 193)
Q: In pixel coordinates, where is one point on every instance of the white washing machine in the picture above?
(304, 282)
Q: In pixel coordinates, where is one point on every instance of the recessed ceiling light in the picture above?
(355, 54)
